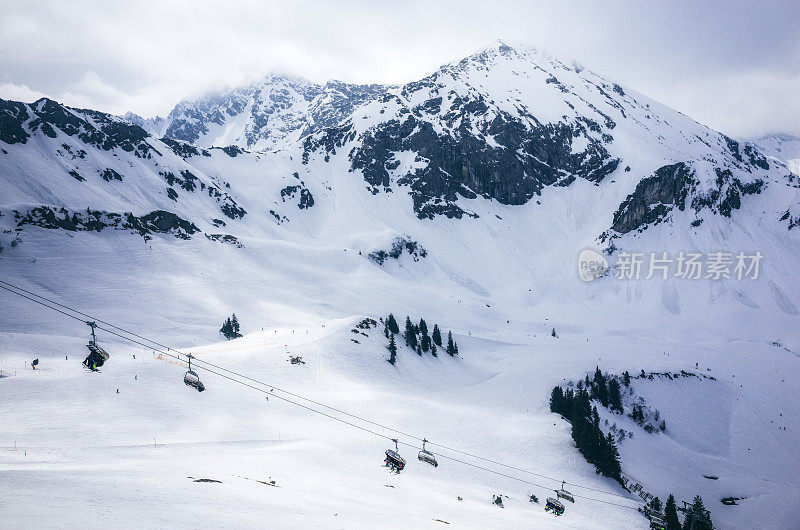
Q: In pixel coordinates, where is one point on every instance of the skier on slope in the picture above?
(554, 333)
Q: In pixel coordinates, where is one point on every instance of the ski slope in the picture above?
(74, 453)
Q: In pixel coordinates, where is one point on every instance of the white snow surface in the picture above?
(74, 453)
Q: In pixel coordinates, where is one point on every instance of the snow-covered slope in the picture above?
(784, 147)
(264, 115)
(464, 198)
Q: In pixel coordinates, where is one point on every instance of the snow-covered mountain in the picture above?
(784, 147)
(265, 115)
(465, 198)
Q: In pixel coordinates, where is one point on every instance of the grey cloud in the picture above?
(734, 66)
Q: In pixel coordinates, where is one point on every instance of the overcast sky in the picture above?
(734, 66)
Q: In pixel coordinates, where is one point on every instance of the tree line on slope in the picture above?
(601, 450)
(696, 516)
(417, 338)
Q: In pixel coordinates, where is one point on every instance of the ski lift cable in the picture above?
(178, 358)
(273, 387)
(179, 353)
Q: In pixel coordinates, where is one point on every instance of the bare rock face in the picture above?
(676, 186)
(654, 197)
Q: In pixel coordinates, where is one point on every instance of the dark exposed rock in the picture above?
(77, 176)
(399, 245)
(654, 198)
(94, 128)
(12, 115)
(746, 154)
(670, 186)
(727, 196)
(306, 199)
(793, 220)
(183, 149)
(109, 174)
(156, 222)
(225, 238)
(515, 165)
(233, 151)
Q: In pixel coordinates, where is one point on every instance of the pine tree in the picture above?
(557, 400)
(626, 378)
(424, 338)
(433, 349)
(230, 328)
(700, 517)
(392, 347)
(614, 396)
(671, 514)
(226, 328)
(437, 335)
(655, 504)
(613, 466)
(600, 388)
(451, 346)
(411, 334)
(391, 323)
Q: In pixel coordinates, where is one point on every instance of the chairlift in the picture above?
(554, 505)
(564, 494)
(426, 456)
(657, 523)
(394, 461)
(97, 355)
(191, 378)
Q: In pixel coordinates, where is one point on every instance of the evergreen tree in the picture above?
(451, 346)
(392, 347)
(230, 328)
(557, 400)
(391, 323)
(437, 335)
(626, 378)
(411, 334)
(613, 466)
(614, 396)
(600, 388)
(419, 350)
(386, 331)
(671, 514)
(424, 338)
(433, 349)
(698, 517)
(655, 504)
